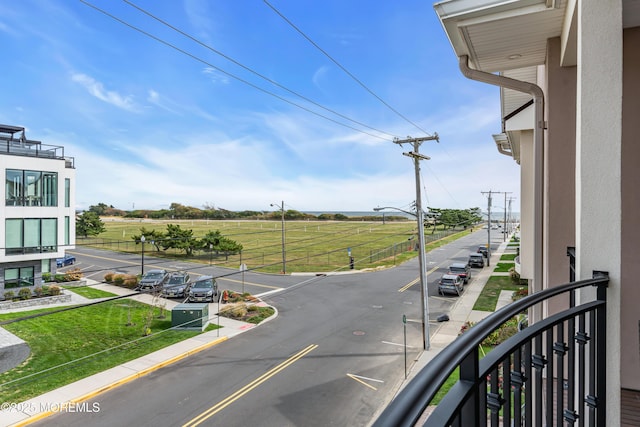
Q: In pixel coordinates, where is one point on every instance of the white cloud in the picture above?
(215, 76)
(97, 89)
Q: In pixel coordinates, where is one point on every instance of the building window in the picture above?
(67, 192)
(45, 266)
(18, 277)
(31, 188)
(67, 230)
(30, 235)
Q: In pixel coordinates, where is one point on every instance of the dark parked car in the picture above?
(462, 270)
(153, 280)
(177, 285)
(483, 250)
(66, 260)
(450, 283)
(476, 260)
(203, 290)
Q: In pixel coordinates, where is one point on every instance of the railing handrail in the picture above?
(417, 394)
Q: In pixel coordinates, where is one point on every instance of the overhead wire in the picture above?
(233, 76)
(365, 87)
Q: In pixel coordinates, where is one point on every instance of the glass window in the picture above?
(33, 191)
(49, 189)
(67, 230)
(13, 236)
(31, 240)
(45, 266)
(13, 187)
(67, 192)
(49, 237)
(18, 277)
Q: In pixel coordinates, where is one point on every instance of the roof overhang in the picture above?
(510, 37)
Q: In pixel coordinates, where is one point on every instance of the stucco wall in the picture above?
(560, 166)
(630, 274)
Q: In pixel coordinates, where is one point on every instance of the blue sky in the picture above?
(149, 125)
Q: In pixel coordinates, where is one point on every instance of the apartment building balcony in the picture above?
(552, 372)
(21, 146)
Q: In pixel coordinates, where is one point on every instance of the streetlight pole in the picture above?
(416, 156)
(142, 239)
(284, 258)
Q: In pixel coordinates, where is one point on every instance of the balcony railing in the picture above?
(550, 373)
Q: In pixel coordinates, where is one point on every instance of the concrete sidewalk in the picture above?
(461, 312)
(71, 395)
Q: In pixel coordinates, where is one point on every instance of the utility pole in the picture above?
(504, 225)
(416, 156)
(488, 227)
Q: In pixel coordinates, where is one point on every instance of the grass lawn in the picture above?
(74, 344)
(503, 267)
(508, 257)
(89, 292)
(310, 245)
(488, 298)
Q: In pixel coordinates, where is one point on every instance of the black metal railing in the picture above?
(551, 373)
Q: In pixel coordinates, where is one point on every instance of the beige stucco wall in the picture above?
(560, 159)
(630, 274)
(527, 170)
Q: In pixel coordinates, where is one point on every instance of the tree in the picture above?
(177, 238)
(153, 237)
(89, 224)
(214, 241)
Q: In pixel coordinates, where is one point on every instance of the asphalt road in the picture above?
(334, 355)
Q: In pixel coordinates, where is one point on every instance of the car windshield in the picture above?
(176, 280)
(204, 284)
(153, 275)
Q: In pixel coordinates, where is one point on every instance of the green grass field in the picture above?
(488, 298)
(309, 245)
(74, 344)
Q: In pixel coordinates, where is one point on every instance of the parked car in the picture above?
(483, 250)
(65, 260)
(153, 280)
(203, 290)
(450, 283)
(460, 269)
(476, 260)
(177, 285)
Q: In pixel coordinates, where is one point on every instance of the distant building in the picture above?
(38, 221)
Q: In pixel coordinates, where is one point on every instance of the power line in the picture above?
(228, 58)
(343, 68)
(159, 40)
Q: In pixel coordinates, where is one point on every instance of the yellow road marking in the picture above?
(417, 279)
(354, 377)
(246, 389)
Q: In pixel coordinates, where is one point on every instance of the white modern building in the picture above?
(38, 219)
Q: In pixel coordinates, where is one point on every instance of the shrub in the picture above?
(506, 330)
(109, 277)
(46, 290)
(73, 275)
(515, 277)
(520, 293)
(46, 277)
(59, 277)
(9, 295)
(38, 291)
(264, 312)
(55, 290)
(130, 281)
(234, 311)
(24, 293)
(118, 279)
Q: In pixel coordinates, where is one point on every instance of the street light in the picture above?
(142, 239)
(284, 259)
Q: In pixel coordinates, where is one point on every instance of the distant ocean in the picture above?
(361, 213)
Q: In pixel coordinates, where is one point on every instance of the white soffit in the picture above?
(511, 100)
(501, 35)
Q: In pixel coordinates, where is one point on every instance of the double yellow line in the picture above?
(246, 389)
